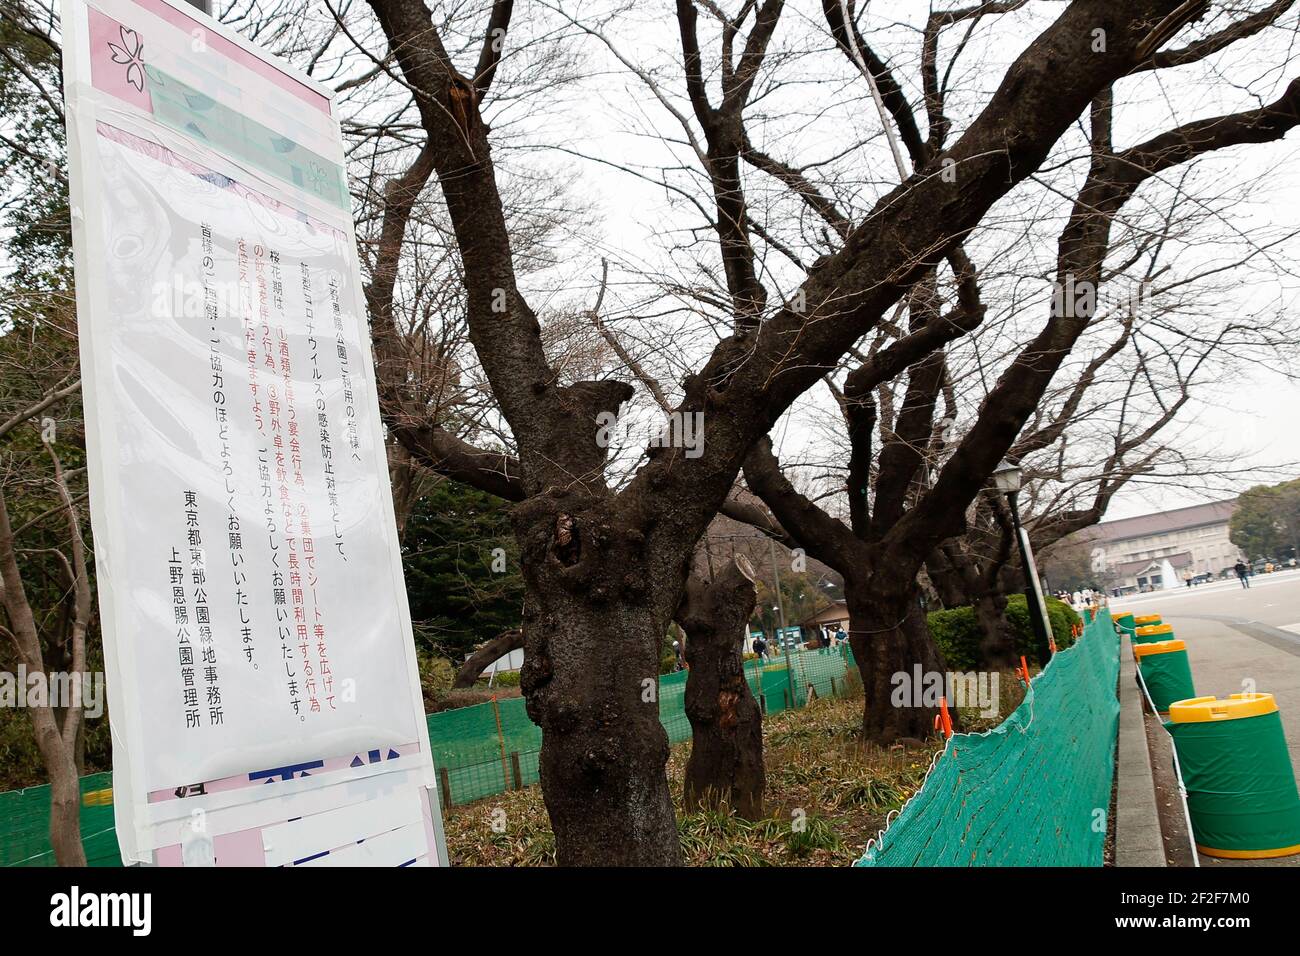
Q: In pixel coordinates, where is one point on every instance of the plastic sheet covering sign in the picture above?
(263, 690)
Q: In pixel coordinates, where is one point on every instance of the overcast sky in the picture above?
(1251, 418)
(611, 121)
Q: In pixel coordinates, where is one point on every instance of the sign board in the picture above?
(263, 689)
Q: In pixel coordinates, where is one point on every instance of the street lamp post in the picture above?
(780, 634)
(1007, 480)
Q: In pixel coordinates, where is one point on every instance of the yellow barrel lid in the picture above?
(1155, 629)
(1158, 647)
(1233, 707)
(1148, 618)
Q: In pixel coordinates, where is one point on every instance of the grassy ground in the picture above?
(826, 794)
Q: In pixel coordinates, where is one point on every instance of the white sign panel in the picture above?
(257, 637)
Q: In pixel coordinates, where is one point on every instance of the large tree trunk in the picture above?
(726, 762)
(998, 644)
(593, 623)
(947, 576)
(889, 637)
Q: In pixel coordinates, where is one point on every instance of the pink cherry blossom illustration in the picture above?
(131, 53)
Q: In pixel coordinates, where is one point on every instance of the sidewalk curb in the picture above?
(1138, 840)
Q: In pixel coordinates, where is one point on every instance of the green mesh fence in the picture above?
(1035, 791)
(25, 826)
(479, 751)
(1003, 798)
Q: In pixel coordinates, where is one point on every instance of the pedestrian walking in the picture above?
(1242, 573)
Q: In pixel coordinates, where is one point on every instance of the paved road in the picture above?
(1272, 600)
(1239, 639)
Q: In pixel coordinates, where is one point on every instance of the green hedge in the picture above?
(1061, 616)
(957, 632)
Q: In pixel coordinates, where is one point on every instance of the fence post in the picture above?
(514, 769)
(444, 784)
(789, 674)
(501, 741)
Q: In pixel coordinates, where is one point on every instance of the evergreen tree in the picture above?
(1266, 523)
(462, 569)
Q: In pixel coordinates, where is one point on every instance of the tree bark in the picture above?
(593, 625)
(726, 762)
(65, 789)
(998, 644)
(485, 654)
(890, 638)
(978, 582)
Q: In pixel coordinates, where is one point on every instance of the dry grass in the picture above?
(826, 796)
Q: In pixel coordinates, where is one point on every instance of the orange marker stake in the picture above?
(944, 718)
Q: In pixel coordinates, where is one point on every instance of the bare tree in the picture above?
(1163, 333)
(56, 712)
(605, 569)
(797, 275)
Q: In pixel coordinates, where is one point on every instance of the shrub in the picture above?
(503, 679)
(1059, 615)
(957, 632)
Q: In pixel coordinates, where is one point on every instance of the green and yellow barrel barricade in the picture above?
(1124, 621)
(1151, 634)
(1165, 671)
(97, 798)
(1147, 620)
(1241, 789)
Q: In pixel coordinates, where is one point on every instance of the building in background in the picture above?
(1139, 554)
(828, 621)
